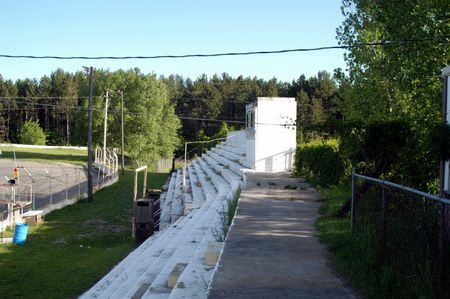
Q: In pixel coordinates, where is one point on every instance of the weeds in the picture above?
(226, 217)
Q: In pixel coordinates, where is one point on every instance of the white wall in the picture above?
(274, 143)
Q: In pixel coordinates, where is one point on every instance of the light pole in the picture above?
(91, 86)
(122, 164)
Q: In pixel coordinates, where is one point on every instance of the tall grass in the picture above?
(406, 266)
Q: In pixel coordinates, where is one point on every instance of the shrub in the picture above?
(31, 133)
(320, 162)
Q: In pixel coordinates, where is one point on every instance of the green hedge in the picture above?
(319, 162)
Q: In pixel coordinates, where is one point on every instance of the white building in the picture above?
(271, 134)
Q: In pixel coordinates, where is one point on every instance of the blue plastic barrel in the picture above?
(20, 233)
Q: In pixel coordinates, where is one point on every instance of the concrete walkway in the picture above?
(271, 250)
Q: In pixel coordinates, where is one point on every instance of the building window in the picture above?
(250, 119)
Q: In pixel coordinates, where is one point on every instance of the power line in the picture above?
(439, 39)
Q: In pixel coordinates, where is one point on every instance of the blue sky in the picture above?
(171, 27)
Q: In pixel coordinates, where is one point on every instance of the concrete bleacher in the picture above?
(171, 263)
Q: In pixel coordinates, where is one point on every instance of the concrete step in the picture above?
(232, 157)
(197, 197)
(208, 188)
(215, 175)
(120, 273)
(181, 250)
(236, 167)
(166, 208)
(178, 204)
(239, 152)
(223, 168)
(145, 269)
(186, 252)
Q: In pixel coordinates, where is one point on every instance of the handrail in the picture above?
(404, 188)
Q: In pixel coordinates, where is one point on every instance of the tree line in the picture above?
(159, 112)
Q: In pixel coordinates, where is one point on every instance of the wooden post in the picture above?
(135, 195)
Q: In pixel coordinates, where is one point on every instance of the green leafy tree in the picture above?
(32, 133)
(400, 80)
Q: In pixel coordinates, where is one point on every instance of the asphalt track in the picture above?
(51, 182)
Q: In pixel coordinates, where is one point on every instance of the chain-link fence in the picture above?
(43, 187)
(399, 230)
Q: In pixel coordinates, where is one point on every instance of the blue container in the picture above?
(20, 233)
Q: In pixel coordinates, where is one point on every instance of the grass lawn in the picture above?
(75, 246)
(74, 156)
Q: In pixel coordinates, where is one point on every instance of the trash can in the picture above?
(20, 233)
(144, 219)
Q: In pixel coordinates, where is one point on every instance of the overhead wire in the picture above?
(342, 47)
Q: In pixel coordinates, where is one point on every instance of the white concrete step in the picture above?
(197, 197)
(177, 204)
(236, 167)
(207, 185)
(186, 252)
(188, 236)
(236, 143)
(110, 282)
(216, 176)
(166, 208)
(230, 155)
(223, 168)
(240, 152)
(140, 265)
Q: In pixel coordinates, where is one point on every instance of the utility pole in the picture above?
(90, 185)
(122, 164)
(105, 124)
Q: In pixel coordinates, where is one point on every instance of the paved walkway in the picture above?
(271, 250)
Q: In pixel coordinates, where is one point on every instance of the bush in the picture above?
(320, 162)
(31, 133)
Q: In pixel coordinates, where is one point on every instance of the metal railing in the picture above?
(404, 228)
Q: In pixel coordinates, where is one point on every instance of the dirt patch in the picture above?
(100, 226)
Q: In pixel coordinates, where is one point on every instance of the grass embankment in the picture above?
(75, 246)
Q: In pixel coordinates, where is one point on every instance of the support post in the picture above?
(384, 204)
(352, 212)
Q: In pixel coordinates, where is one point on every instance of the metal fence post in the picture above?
(79, 182)
(51, 192)
(441, 251)
(352, 211)
(383, 219)
(67, 178)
